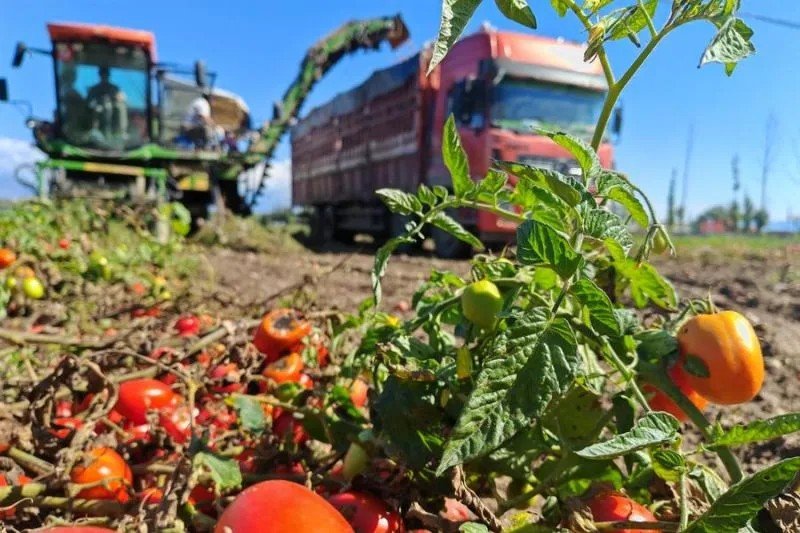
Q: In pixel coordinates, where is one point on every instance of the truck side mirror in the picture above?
(616, 123)
(19, 54)
(200, 74)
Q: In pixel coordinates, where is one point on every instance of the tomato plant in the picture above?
(286, 369)
(280, 331)
(278, 506)
(7, 258)
(659, 401)
(613, 507)
(137, 397)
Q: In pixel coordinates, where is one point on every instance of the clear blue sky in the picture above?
(255, 47)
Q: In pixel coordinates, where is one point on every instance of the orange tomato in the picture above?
(659, 401)
(726, 345)
(103, 464)
(7, 257)
(358, 392)
(286, 369)
(280, 330)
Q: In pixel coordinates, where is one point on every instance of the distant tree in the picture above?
(671, 209)
(734, 216)
(760, 219)
(720, 213)
(748, 211)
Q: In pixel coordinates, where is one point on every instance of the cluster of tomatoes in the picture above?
(719, 361)
(154, 421)
(23, 278)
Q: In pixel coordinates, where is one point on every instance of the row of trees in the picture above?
(739, 216)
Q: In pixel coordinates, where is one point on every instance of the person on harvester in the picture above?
(198, 125)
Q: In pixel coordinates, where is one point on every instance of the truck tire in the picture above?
(449, 247)
(322, 225)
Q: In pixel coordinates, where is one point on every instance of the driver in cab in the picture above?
(108, 105)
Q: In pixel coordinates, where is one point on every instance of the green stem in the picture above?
(613, 359)
(616, 89)
(658, 377)
(648, 19)
(503, 213)
(684, 502)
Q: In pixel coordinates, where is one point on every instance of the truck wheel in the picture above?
(322, 225)
(448, 247)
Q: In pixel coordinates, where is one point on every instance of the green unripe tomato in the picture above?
(11, 283)
(463, 363)
(355, 462)
(33, 288)
(517, 488)
(660, 244)
(481, 302)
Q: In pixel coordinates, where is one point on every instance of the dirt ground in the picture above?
(765, 286)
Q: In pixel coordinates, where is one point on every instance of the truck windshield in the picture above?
(520, 105)
(102, 95)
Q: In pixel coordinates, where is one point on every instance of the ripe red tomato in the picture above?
(286, 369)
(305, 381)
(286, 424)
(366, 513)
(187, 326)
(63, 427)
(63, 408)
(103, 464)
(138, 396)
(226, 378)
(279, 506)
(611, 506)
(659, 401)
(138, 288)
(63, 243)
(151, 495)
(7, 258)
(358, 392)
(280, 330)
(177, 423)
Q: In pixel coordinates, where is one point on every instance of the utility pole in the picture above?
(685, 192)
(769, 141)
(671, 200)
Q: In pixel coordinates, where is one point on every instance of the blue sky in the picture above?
(255, 47)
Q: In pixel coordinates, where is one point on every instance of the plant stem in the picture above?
(619, 366)
(616, 89)
(627, 525)
(658, 377)
(684, 502)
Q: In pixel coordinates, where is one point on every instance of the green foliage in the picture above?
(652, 429)
(224, 472)
(758, 430)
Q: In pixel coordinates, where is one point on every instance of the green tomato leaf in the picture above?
(409, 421)
(538, 243)
(759, 430)
(251, 415)
(491, 184)
(455, 16)
(526, 367)
(614, 187)
(601, 310)
(518, 11)
(730, 45)
(399, 202)
(451, 226)
(455, 158)
(382, 259)
(708, 480)
(602, 224)
(668, 464)
(561, 7)
(582, 152)
(648, 285)
(567, 188)
(224, 472)
(628, 21)
(473, 527)
(593, 6)
(743, 500)
(651, 430)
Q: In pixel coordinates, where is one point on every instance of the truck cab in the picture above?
(501, 86)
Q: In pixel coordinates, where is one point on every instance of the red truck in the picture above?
(387, 131)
